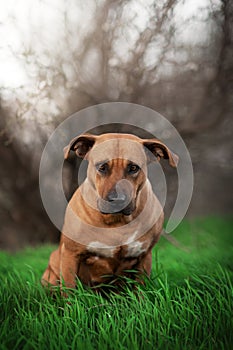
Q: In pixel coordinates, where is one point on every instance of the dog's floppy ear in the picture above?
(160, 150)
(81, 145)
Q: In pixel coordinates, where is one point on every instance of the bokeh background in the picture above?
(58, 57)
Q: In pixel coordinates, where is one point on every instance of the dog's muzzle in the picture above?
(118, 201)
(115, 207)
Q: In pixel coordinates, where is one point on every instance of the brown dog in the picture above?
(113, 219)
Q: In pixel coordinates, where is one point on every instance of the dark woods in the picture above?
(158, 55)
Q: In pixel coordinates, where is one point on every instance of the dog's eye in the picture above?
(133, 168)
(102, 168)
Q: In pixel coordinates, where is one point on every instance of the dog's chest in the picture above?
(135, 249)
(130, 249)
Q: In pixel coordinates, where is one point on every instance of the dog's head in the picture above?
(117, 167)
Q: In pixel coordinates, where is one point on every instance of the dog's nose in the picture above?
(118, 199)
(115, 196)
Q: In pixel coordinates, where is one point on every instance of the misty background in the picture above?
(58, 57)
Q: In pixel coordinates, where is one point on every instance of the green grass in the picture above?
(187, 303)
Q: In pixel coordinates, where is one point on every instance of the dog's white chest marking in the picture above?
(101, 249)
(134, 247)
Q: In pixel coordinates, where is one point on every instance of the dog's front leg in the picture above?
(69, 260)
(144, 267)
(146, 264)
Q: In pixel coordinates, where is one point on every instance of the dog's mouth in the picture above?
(115, 207)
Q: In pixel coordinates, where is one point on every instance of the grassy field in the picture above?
(187, 304)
